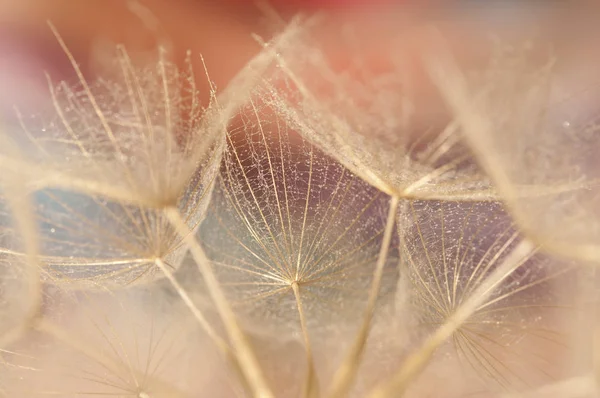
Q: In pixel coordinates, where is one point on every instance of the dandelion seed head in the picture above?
(126, 344)
(113, 154)
(516, 337)
(542, 135)
(286, 217)
(367, 118)
(353, 246)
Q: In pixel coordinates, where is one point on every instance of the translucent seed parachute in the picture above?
(315, 230)
(293, 236)
(126, 344)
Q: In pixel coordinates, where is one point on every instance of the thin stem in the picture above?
(346, 373)
(403, 283)
(221, 344)
(575, 387)
(192, 306)
(311, 387)
(596, 329)
(247, 359)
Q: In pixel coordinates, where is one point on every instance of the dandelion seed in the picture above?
(517, 334)
(142, 161)
(131, 145)
(127, 344)
(327, 172)
(367, 120)
(292, 235)
(516, 132)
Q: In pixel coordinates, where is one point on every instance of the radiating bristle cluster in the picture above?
(108, 159)
(285, 214)
(309, 232)
(107, 344)
(449, 250)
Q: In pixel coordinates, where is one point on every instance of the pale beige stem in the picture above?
(187, 300)
(575, 387)
(243, 350)
(345, 375)
(596, 327)
(311, 384)
(402, 286)
(417, 361)
(189, 303)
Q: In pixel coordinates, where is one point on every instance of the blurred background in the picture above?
(221, 31)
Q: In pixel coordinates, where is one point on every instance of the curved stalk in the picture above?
(416, 362)
(345, 375)
(248, 362)
(311, 385)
